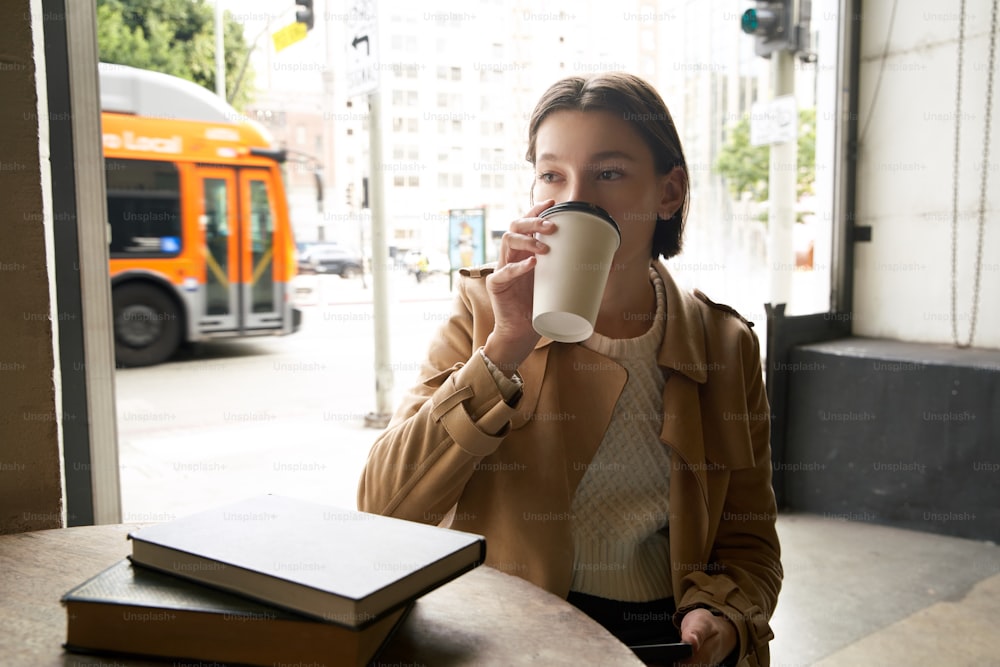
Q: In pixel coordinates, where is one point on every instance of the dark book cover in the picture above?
(133, 611)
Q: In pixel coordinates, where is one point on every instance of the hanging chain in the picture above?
(973, 316)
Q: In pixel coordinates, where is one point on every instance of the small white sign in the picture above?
(362, 51)
(774, 122)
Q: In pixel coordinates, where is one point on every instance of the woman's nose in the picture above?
(577, 190)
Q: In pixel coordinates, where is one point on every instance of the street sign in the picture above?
(774, 122)
(291, 33)
(362, 48)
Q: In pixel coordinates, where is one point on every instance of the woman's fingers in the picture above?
(520, 240)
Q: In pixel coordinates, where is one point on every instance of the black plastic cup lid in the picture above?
(583, 207)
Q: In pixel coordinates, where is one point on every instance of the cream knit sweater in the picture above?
(620, 509)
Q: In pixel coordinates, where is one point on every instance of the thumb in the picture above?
(692, 637)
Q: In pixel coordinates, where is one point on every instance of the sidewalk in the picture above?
(858, 594)
(854, 595)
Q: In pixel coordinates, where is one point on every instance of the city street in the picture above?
(234, 418)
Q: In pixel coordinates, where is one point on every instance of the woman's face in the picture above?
(597, 157)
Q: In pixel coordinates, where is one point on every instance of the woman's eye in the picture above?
(609, 174)
(547, 177)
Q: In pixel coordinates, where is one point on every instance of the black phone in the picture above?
(662, 654)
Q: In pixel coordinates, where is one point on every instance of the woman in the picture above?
(630, 473)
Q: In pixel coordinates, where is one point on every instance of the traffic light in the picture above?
(770, 23)
(779, 25)
(304, 13)
(350, 195)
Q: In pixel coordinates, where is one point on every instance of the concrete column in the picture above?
(31, 487)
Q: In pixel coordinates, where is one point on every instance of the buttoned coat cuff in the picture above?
(471, 408)
(720, 593)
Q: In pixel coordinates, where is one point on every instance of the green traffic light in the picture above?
(750, 21)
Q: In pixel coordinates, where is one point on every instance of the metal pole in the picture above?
(380, 272)
(220, 53)
(782, 180)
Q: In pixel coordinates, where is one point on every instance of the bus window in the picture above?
(143, 208)
(262, 248)
(217, 246)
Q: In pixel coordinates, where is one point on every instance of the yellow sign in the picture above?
(291, 33)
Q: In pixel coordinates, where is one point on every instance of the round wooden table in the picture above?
(482, 618)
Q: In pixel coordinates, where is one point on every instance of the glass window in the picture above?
(144, 208)
(262, 247)
(216, 205)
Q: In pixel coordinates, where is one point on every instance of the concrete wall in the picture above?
(30, 467)
(895, 433)
(906, 155)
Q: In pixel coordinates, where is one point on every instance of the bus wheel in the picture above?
(147, 325)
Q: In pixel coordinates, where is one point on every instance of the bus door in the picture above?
(219, 219)
(263, 295)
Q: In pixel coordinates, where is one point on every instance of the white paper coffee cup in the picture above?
(570, 278)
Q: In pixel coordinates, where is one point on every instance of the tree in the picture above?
(175, 37)
(745, 167)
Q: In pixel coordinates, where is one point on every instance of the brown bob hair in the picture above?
(643, 108)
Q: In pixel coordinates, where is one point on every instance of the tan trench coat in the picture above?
(456, 454)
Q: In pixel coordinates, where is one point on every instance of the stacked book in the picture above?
(266, 581)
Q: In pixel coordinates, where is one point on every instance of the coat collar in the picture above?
(683, 348)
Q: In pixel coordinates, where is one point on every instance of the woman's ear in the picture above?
(673, 187)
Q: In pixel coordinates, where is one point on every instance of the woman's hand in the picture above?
(511, 287)
(712, 637)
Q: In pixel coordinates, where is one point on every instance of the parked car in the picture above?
(329, 258)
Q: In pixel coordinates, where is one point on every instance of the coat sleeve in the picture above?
(447, 423)
(744, 571)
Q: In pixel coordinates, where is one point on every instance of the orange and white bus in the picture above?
(200, 240)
